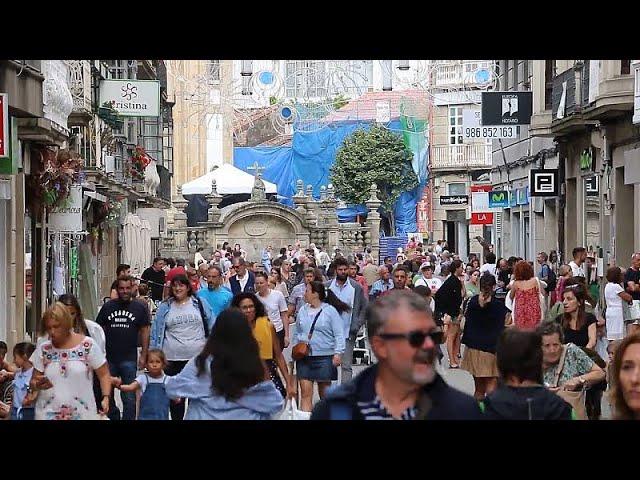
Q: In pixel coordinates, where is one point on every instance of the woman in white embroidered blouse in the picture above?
(64, 365)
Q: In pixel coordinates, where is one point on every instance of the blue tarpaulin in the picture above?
(310, 157)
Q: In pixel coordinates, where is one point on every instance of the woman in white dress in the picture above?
(64, 365)
(614, 295)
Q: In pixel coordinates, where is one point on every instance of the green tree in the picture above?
(375, 156)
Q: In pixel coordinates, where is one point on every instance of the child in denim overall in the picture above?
(154, 402)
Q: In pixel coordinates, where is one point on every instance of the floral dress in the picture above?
(71, 373)
(527, 308)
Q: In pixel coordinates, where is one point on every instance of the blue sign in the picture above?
(499, 199)
(512, 198)
(523, 196)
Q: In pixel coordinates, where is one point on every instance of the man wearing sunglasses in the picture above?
(404, 384)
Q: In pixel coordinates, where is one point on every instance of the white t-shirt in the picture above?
(576, 271)
(274, 304)
(145, 379)
(489, 267)
(71, 373)
(615, 319)
(433, 283)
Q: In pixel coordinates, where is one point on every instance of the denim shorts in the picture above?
(317, 369)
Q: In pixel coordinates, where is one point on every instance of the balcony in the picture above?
(460, 157)
(80, 86)
(454, 75)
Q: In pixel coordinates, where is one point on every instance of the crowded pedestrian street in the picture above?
(319, 240)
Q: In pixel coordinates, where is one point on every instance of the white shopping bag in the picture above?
(291, 412)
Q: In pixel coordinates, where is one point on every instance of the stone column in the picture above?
(214, 199)
(180, 203)
(331, 219)
(373, 221)
(299, 199)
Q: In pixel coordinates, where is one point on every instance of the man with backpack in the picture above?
(548, 276)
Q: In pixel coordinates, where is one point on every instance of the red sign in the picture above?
(481, 188)
(4, 125)
(482, 218)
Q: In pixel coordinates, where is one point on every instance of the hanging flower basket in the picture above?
(140, 160)
(51, 185)
(110, 115)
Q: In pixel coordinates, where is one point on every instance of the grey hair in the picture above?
(550, 328)
(378, 312)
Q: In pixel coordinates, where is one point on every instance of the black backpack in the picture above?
(553, 280)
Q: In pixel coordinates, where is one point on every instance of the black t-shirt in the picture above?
(158, 281)
(483, 325)
(579, 337)
(121, 323)
(632, 276)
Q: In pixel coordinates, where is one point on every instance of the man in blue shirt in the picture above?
(215, 294)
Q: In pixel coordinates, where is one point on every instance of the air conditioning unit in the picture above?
(109, 164)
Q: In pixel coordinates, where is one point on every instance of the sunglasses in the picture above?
(415, 338)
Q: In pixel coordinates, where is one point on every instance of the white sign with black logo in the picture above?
(68, 217)
(132, 98)
(506, 108)
(591, 186)
(454, 200)
(543, 183)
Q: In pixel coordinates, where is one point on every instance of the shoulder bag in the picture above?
(575, 399)
(302, 349)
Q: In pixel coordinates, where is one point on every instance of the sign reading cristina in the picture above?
(132, 98)
(68, 218)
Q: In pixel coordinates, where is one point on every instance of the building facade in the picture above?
(587, 107)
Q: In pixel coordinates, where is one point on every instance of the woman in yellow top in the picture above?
(268, 344)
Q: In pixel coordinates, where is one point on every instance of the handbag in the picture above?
(631, 313)
(575, 399)
(291, 412)
(302, 349)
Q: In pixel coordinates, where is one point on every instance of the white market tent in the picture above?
(229, 180)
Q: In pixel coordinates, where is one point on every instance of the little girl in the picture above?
(21, 354)
(154, 402)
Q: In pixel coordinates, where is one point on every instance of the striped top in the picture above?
(374, 410)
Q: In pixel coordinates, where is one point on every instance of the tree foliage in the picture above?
(375, 156)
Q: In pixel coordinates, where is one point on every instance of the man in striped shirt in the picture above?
(404, 384)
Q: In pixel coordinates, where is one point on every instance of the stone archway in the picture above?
(257, 225)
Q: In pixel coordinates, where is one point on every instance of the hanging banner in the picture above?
(4, 125)
(132, 98)
(68, 218)
(73, 262)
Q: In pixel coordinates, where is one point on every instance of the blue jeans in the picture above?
(127, 371)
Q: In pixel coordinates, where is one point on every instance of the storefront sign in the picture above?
(586, 159)
(454, 200)
(4, 125)
(499, 199)
(512, 198)
(523, 196)
(543, 183)
(68, 218)
(591, 186)
(132, 98)
(484, 218)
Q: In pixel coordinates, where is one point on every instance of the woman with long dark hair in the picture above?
(183, 322)
(485, 319)
(319, 324)
(265, 334)
(227, 380)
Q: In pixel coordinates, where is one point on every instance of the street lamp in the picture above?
(403, 65)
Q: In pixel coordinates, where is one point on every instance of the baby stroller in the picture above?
(361, 352)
